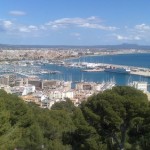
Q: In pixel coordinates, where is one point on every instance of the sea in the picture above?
(77, 75)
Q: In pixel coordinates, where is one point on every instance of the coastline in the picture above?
(114, 54)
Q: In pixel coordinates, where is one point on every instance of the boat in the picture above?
(118, 70)
(93, 70)
(44, 71)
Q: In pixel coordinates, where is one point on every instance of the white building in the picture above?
(5, 88)
(68, 94)
(139, 85)
(61, 94)
(28, 89)
(22, 90)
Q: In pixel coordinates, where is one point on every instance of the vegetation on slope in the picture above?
(115, 119)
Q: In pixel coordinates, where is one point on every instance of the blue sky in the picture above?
(75, 22)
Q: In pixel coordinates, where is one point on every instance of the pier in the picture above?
(93, 70)
(99, 67)
(134, 70)
(23, 74)
(141, 71)
(145, 73)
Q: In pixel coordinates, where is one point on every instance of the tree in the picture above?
(64, 105)
(139, 133)
(15, 118)
(84, 137)
(113, 112)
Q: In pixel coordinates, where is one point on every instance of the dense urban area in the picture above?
(20, 67)
(59, 53)
(74, 75)
(52, 115)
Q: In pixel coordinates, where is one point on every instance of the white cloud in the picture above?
(127, 38)
(42, 27)
(139, 32)
(5, 25)
(32, 27)
(24, 29)
(97, 26)
(120, 37)
(28, 29)
(17, 13)
(91, 22)
(137, 38)
(14, 28)
(142, 27)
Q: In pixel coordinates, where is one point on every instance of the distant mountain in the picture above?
(111, 47)
(125, 46)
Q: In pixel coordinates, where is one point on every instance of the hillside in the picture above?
(113, 120)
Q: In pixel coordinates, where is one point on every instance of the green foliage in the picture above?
(11, 113)
(84, 137)
(113, 112)
(26, 127)
(115, 119)
(64, 105)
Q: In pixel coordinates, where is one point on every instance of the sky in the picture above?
(74, 22)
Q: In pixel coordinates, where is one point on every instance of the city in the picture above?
(74, 75)
(19, 75)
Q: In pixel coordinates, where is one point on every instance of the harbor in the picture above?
(100, 67)
(89, 69)
(48, 70)
(76, 80)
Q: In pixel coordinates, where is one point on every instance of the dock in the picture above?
(93, 70)
(100, 67)
(23, 74)
(141, 71)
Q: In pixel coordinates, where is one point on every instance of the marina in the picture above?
(75, 75)
(99, 67)
(91, 68)
(76, 80)
(84, 66)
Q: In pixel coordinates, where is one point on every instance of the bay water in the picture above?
(77, 75)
